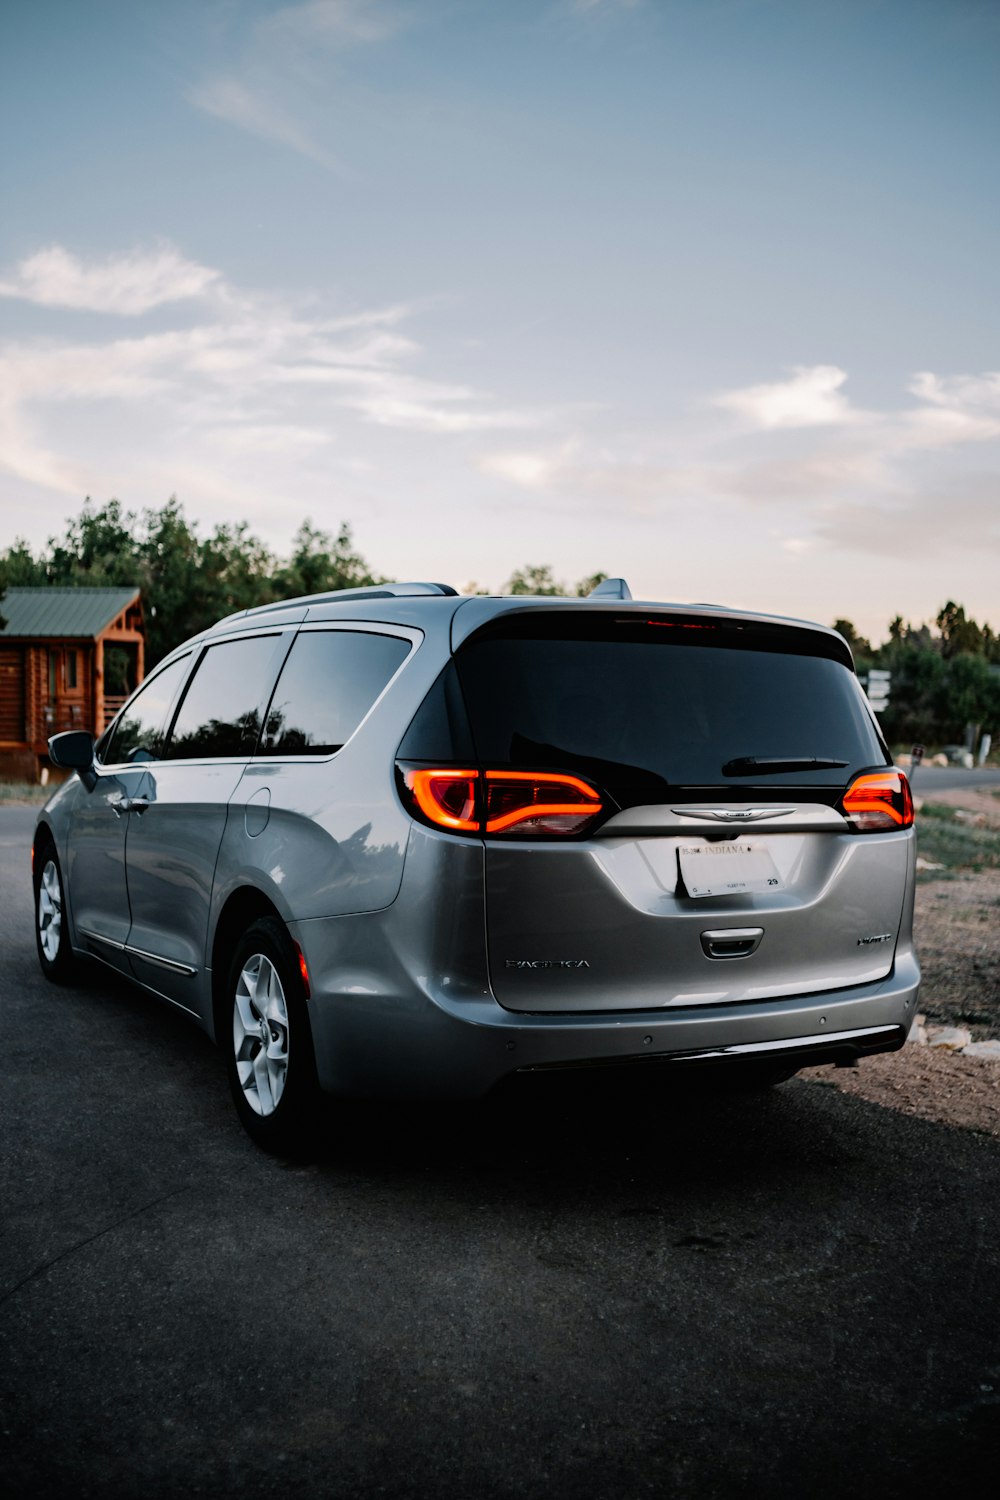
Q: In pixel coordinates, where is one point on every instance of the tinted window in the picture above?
(652, 708)
(327, 685)
(138, 734)
(221, 710)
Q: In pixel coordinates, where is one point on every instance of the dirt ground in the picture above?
(957, 925)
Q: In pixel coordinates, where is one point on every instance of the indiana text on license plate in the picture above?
(727, 869)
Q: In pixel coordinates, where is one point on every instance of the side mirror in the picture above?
(74, 750)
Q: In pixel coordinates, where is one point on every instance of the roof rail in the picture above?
(369, 591)
(380, 591)
(611, 588)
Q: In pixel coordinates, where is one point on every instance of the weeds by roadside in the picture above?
(24, 792)
(955, 840)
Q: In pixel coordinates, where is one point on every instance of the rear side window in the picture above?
(327, 685)
(138, 734)
(221, 712)
(645, 706)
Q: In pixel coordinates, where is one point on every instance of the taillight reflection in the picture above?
(498, 802)
(879, 800)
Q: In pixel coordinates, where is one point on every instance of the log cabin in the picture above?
(69, 657)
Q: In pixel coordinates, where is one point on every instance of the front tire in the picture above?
(51, 930)
(265, 1031)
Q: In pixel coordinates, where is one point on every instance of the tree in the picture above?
(533, 580)
(539, 580)
(958, 634)
(187, 581)
(321, 563)
(860, 647)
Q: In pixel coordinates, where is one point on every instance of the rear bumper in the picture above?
(433, 1038)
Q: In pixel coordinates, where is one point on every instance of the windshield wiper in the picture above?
(755, 765)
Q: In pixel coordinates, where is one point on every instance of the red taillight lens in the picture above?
(447, 798)
(498, 802)
(879, 800)
(527, 802)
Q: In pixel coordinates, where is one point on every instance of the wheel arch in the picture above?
(243, 906)
(43, 835)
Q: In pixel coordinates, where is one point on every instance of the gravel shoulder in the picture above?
(957, 925)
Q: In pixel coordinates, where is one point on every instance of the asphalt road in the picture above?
(572, 1291)
(928, 779)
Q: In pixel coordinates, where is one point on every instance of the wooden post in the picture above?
(98, 687)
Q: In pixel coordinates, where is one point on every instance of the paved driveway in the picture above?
(574, 1291)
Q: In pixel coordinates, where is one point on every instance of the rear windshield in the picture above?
(646, 706)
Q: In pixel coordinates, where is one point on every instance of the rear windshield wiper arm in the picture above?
(750, 765)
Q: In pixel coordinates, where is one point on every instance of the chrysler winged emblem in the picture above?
(733, 814)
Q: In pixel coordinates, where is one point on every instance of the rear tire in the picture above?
(265, 1032)
(55, 953)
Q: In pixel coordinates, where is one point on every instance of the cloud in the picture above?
(333, 23)
(256, 380)
(930, 521)
(128, 284)
(277, 78)
(812, 397)
(236, 103)
(572, 474)
(802, 455)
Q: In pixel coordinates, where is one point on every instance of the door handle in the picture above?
(121, 805)
(731, 942)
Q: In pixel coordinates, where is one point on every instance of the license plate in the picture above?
(727, 870)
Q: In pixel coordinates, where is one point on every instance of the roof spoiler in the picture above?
(611, 588)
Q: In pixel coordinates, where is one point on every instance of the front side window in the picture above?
(138, 734)
(221, 711)
(327, 685)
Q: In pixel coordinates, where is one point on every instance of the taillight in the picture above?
(878, 800)
(502, 802)
(447, 798)
(524, 802)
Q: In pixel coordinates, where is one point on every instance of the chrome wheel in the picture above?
(260, 1034)
(50, 906)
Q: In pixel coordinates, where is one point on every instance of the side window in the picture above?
(327, 685)
(138, 734)
(221, 711)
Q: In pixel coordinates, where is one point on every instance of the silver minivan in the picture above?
(394, 842)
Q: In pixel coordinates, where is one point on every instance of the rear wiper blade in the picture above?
(749, 765)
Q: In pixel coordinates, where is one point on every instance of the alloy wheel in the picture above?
(260, 1034)
(50, 911)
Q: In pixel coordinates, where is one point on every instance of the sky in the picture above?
(702, 293)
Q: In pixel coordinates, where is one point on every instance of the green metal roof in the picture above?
(56, 614)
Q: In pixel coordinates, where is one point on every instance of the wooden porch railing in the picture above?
(112, 703)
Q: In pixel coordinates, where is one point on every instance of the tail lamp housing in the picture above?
(878, 801)
(501, 802)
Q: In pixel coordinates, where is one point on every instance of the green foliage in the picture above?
(861, 649)
(321, 563)
(187, 581)
(540, 580)
(533, 580)
(944, 839)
